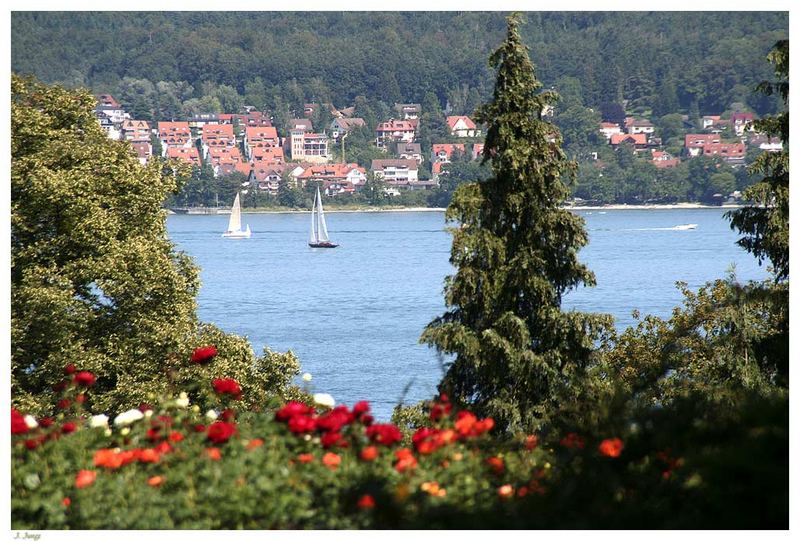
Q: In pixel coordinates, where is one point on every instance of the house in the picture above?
(222, 154)
(396, 170)
(115, 113)
(334, 178)
(477, 151)
(185, 154)
(462, 126)
(730, 152)
(394, 131)
(340, 126)
(610, 128)
(765, 143)
(640, 126)
(742, 122)
(709, 121)
(135, 130)
(259, 137)
(409, 151)
(408, 110)
(108, 126)
(639, 141)
(301, 124)
(311, 147)
(217, 136)
(694, 142)
(201, 119)
(174, 135)
(108, 99)
(267, 177)
(663, 160)
(227, 168)
(267, 155)
(143, 150)
(443, 153)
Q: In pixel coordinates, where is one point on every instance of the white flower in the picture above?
(125, 431)
(107, 432)
(196, 408)
(324, 399)
(211, 414)
(307, 377)
(128, 417)
(30, 421)
(182, 401)
(307, 437)
(148, 414)
(98, 421)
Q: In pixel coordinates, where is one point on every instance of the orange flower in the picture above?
(175, 437)
(611, 447)
(505, 491)
(305, 458)
(155, 481)
(149, 456)
(406, 460)
(84, 478)
(465, 423)
(366, 502)
(108, 458)
(331, 460)
(213, 453)
(433, 489)
(531, 442)
(368, 454)
(254, 444)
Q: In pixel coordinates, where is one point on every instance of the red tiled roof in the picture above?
(724, 149)
(189, 155)
(330, 170)
(447, 148)
(698, 140)
(453, 120)
(218, 131)
(259, 133)
(395, 125)
(636, 139)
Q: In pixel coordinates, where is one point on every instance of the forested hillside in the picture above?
(695, 63)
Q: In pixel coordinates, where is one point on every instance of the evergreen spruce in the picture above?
(516, 256)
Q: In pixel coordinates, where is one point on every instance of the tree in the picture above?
(515, 254)
(95, 282)
(765, 224)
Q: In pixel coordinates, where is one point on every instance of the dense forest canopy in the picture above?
(697, 62)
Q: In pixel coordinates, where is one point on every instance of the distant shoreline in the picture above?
(675, 206)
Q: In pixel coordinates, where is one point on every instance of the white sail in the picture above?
(322, 228)
(235, 222)
(312, 237)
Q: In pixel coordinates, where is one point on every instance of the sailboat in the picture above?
(319, 231)
(235, 223)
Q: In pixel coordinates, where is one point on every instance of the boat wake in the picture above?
(683, 227)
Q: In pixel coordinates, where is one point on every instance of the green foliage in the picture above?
(515, 256)
(94, 280)
(765, 223)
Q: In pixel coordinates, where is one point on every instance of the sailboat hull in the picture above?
(323, 244)
(236, 234)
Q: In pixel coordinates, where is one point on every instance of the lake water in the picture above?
(354, 314)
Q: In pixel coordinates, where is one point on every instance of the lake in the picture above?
(353, 315)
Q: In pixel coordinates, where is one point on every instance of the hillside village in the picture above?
(300, 153)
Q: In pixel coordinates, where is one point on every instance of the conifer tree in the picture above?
(765, 224)
(516, 256)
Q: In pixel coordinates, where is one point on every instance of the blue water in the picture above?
(353, 315)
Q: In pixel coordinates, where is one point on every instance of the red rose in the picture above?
(86, 379)
(220, 432)
(63, 404)
(531, 442)
(227, 386)
(329, 439)
(334, 420)
(68, 428)
(199, 428)
(46, 422)
(32, 444)
(203, 354)
(80, 399)
(228, 415)
(611, 447)
(301, 424)
(360, 408)
(366, 502)
(384, 434)
(291, 409)
(367, 420)
(18, 425)
(496, 464)
(69, 369)
(60, 386)
(175, 437)
(163, 448)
